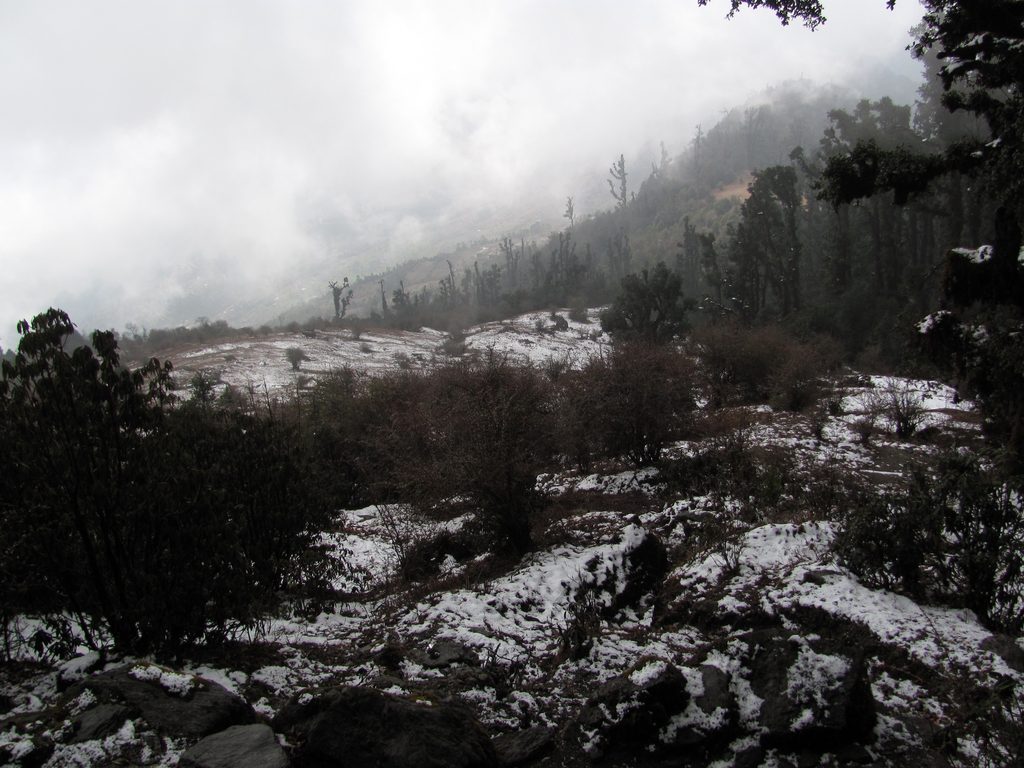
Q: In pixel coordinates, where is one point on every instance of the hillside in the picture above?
(697, 611)
(260, 363)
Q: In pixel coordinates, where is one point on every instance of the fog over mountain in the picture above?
(161, 161)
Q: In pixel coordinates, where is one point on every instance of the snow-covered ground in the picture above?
(530, 643)
(260, 362)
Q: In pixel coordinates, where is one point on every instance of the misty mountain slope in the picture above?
(701, 177)
(656, 623)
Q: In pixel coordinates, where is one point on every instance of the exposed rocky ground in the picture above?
(662, 620)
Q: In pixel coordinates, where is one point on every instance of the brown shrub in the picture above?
(631, 403)
(743, 365)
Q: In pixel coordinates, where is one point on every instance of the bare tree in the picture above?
(617, 183)
(342, 296)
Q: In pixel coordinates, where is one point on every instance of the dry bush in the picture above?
(466, 431)
(901, 406)
(631, 403)
(756, 365)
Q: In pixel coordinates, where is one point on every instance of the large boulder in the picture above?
(644, 565)
(364, 728)
(812, 698)
(172, 703)
(240, 746)
(100, 721)
(519, 748)
(634, 713)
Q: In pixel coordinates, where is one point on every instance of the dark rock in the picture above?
(444, 653)
(78, 668)
(854, 753)
(1007, 649)
(718, 713)
(205, 709)
(624, 717)
(819, 576)
(240, 746)
(36, 755)
(100, 721)
(364, 728)
(646, 565)
(524, 747)
(749, 757)
(717, 694)
(390, 656)
(812, 699)
(6, 704)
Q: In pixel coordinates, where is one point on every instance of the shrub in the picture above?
(900, 405)
(295, 356)
(649, 308)
(202, 385)
(578, 313)
(756, 365)
(888, 538)
(577, 401)
(341, 412)
(729, 467)
(154, 527)
(956, 534)
(478, 430)
(454, 345)
(645, 400)
(631, 403)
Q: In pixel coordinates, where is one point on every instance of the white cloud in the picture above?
(149, 146)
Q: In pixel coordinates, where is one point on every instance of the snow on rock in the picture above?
(812, 676)
(172, 682)
(978, 255)
(790, 566)
(633, 481)
(524, 611)
(932, 320)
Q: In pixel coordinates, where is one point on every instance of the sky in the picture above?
(156, 151)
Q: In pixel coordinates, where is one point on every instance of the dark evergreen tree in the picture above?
(650, 307)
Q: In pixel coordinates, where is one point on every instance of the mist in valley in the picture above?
(162, 163)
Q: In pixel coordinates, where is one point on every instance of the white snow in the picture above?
(170, 681)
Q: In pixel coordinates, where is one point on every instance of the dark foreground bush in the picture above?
(151, 526)
(956, 535)
(465, 431)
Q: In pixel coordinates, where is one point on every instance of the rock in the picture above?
(78, 668)
(240, 746)
(204, 708)
(390, 656)
(444, 653)
(717, 694)
(524, 747)
(364, 728)
(713, 715)
(629, 714)
(6, 704)
(31, 753)
(811, 699)
(1007, 649)
(645, 567)
(100, 721)
(749, 757)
